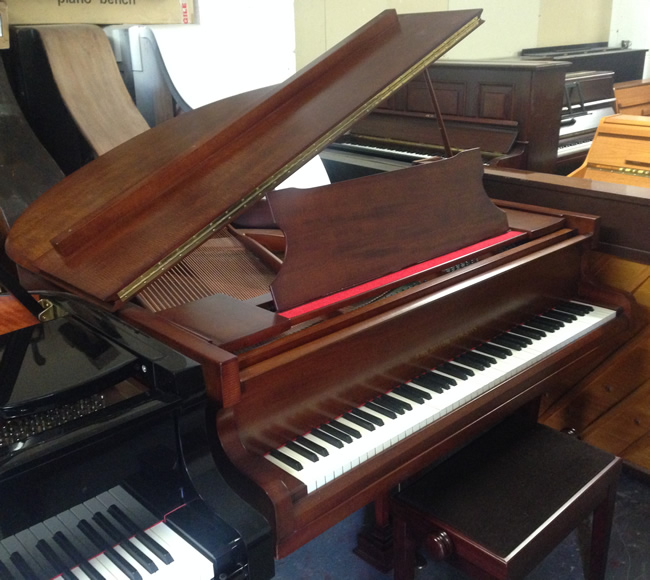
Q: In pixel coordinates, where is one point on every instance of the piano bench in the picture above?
(499, 506)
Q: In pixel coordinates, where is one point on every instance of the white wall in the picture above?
(237, 46)
(631, 21)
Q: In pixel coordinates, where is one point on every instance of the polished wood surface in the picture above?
(607, 407)
(633, 97)
(13, 315)
(186, 169)
(86, 74)
(624, 210)
(510, 110)
(317, 225)
(132, 208)
(620, 152)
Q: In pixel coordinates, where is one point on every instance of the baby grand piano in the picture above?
(407, 312)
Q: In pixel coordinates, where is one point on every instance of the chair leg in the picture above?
(404, 551)
(600, 535)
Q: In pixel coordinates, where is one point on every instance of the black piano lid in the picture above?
(56, 362)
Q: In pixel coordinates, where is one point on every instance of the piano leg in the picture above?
(375, 541)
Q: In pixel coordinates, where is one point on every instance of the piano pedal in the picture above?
(420, 561)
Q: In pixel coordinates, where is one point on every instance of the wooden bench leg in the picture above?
(600, 534)
(404, 551)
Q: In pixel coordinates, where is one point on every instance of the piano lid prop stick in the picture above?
(436, 108)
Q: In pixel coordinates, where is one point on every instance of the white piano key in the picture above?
(440, 404)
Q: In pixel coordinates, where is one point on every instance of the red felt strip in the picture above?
(401, 274)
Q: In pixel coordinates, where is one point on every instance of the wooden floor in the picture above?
(610, 408)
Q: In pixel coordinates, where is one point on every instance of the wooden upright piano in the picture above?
(371, 326)
(510, 110)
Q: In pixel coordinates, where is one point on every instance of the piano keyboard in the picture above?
(330, 450)
(111, 537)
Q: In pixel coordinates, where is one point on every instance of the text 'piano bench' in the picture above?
(499, 506)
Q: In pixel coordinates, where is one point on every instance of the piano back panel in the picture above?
(316, 381)
(624, 210)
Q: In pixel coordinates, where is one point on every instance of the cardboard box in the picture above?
(101, 11)
(4, 26)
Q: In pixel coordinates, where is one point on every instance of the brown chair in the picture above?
(499, 506)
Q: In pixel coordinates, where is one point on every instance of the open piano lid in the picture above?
(114, 225)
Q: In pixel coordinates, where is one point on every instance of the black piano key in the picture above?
(495, 350)
(312, 446)
(23, 567)
(353, 418)
(381, 410)
(414, 397)
(4, 573)
(92, 534)
(481, 357)
(391, 403)
(431, 382)
(557, 324)
(127, 523)
(335, 433)
(421, 393)
(367, 417)
(300, 450)
(455, 370)
(445, 380)
(5, 560)
(543, 324)
(533, 333)
(507, 343)
(51, 551)
(33, 556)
(573, 308)
(327, 438)
(118, 538)
(346, 429)
(523, 340)
(69, 548)
(50, 555)
(471, 362)
(290, 461)
(561, 316)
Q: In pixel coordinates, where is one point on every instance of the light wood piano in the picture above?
(633, 97)
(373, 326)
(619, 152)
